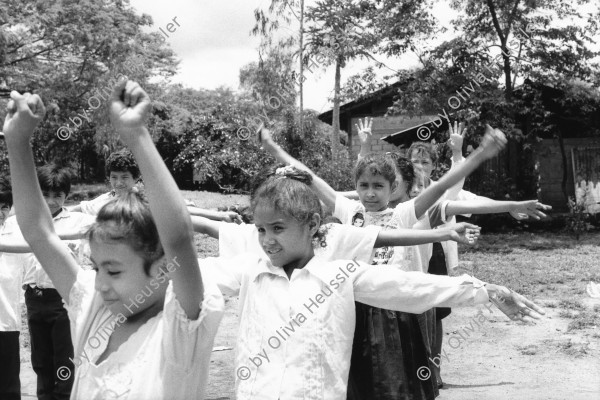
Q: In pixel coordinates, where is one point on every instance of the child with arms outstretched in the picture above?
(144, 320)
(383, 371)
(296, 310)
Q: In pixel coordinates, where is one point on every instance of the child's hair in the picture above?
(331, 220)
(421, 176)
(376, 164)
(6, 192)
(287, 190)
(423, 149)
(405, 168)
(122, 161)
(127, 219)
(54, 178)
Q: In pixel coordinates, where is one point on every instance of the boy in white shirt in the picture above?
(10, 309)
(49, 326)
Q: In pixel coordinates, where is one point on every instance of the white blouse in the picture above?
(295, 335)
(167, 358)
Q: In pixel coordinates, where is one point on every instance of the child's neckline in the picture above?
(141, 328)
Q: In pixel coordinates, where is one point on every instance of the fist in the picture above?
(24, 113)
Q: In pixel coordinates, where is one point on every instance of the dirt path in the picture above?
(502, 359)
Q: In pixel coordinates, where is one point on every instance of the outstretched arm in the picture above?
(225, 216)
(531, 208)
(206, 226)
(462, 232)
(325, 192)
(492, 143)
(33, 215)
(128, 110)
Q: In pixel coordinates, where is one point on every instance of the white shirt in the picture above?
(341, 241)
(92, 207)
(167, 358)
(66, 221)
(11, 276)
(402, 216)
(295, 335)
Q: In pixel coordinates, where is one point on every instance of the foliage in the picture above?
(68, 50)
(577, 219)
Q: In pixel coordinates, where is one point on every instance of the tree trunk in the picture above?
(301, 69)
(335, 134)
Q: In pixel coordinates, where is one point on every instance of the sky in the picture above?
(213, 42)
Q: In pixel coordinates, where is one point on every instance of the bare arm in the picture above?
(486, 206)
(463, 233)
(128, 109)
(351, 194)
(491, 145)
(206, 226)
(33, 215)
(225, 216)
(325, 192)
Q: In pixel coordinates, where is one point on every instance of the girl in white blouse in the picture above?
(296, 310)
(143, 322)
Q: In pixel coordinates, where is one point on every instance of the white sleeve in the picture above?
(185, 340)
(227, 272)
(236, 239)
(349, 242)
(405, 214)
(344, 209)
(414, 292)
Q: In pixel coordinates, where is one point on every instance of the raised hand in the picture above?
(457, 136)
(24, 113)
(514, 305)
(364, 130)
(129, 108)
(530, 208)
(493, 142)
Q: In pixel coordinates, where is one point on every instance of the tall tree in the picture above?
(335, 34)
(529, 39)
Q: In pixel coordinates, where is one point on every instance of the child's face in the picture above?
(418, 187)
(121, 280)
(4, 211)
(373, 191)
(423, 162)
(359, 222)
(285, 240)
(55, 200)
(121, 181)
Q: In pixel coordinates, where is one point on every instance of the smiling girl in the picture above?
(296, 310)
(157, 326)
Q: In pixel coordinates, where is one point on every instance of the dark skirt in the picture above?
(437, 266)
(390, 348)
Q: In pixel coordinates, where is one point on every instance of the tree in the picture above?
(67, 52)
(335, 35)
(268, 23)
(547, 50)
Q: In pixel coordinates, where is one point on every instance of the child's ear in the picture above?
(314, 224)
(394, 186)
